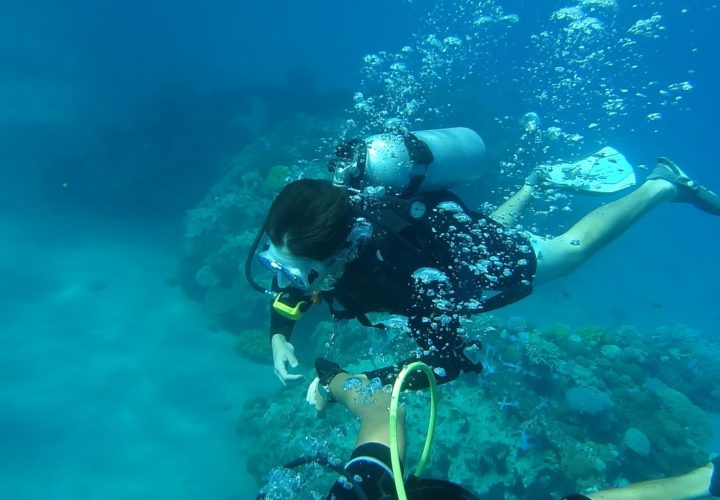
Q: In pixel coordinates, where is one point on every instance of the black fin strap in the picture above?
(327, 370)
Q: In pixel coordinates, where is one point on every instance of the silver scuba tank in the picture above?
(409, 163)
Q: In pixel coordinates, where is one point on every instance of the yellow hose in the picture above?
(394, 402)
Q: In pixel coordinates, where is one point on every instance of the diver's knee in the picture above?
(566, 251)
(556, 266)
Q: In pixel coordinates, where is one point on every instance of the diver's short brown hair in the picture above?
(311, 216)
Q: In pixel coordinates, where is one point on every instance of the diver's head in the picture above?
(308, 225)
(311, 218)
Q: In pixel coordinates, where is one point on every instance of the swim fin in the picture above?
(604, 172)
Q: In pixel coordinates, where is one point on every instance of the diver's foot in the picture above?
(688, 191)
(537, 177)
(314, 396)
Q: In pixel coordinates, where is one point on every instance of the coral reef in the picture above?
(551, 414)
(276, 178)
(588, 401)
(540, 352)
(636, 440)
(591, 333)
(254, 345)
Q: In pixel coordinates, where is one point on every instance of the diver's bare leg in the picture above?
(694, 484)
(371, 409)
(507, 214)
(563, 254)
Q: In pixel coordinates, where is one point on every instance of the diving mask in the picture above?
(290, 270)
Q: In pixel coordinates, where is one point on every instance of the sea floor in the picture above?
(111, 383)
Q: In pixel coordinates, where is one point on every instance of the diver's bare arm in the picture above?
(282, 350)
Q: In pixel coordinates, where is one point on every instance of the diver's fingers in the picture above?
(282, 373)
(290, 356)
(280, 368)
(279, 374)
(290, 377)
(286, 377)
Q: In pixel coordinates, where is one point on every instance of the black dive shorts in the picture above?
(368, 476)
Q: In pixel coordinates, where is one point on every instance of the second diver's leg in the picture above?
(694, 484)
(561, 255)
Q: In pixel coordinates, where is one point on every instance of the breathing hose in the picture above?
(394, 402)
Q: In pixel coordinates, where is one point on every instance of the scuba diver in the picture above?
(370, 474)
(414, 249)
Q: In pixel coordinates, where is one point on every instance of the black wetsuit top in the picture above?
(473, 254)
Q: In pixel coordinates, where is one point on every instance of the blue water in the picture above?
(118, 117)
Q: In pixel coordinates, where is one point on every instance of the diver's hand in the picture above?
(283, 355)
